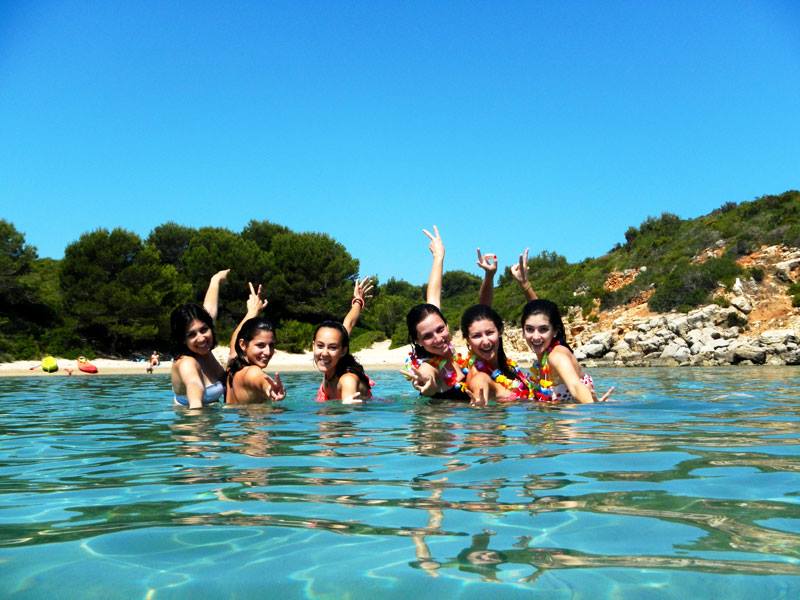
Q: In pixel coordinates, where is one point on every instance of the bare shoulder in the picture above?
(252, 375)
(185, 365)
(561, 358)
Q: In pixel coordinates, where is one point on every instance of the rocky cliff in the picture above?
(752, 322)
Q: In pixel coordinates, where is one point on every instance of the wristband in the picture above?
(357, 301)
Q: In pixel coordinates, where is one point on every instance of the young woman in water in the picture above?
(490, 375)
(197, 376)
(343, 377)
(556, 375)
(252, 347)
(433, 367)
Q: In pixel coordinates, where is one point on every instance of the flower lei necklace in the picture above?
(520, 384)
(540, 371)
(447, 372)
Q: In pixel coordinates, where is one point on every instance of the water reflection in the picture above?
(708, 474)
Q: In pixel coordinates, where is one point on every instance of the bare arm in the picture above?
(520, 272)
(424, 378)
(348, 389)
(211, 301)
(190, 375)
(266, 387)
(254, 306)
(487, 262)
(361, 291)
(564, 366)
(434, 292)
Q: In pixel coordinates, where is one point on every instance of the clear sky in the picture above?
(553, 125)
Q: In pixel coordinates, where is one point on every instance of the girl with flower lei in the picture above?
(556, 375)
(490, 375)
(433, 367)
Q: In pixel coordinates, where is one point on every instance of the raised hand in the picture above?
(607, 394)
(255, 304)
(277, 392)
(520, 270)
(362, 290)
(220, 276)
(487, 262)
(436, 246)
(477, 400)
(421, 383)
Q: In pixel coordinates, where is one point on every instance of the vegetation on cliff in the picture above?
(113, 291)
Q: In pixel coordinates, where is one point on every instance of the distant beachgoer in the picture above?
(252, 347)
(153, 361)
(556, 375)
(433, 364)
(343, 377)
(197, 377)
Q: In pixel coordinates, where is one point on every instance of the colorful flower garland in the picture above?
(541, 374)
(520, 384)
(447, 372)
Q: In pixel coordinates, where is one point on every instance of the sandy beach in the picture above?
(379, 356)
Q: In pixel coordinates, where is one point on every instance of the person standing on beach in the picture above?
(153, 361)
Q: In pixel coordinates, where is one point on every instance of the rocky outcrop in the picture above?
(708, 336)
(753, 322)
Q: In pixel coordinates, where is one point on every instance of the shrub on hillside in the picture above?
(689, 285)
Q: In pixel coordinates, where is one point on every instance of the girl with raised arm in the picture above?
(343, 377)
(252, 347)
(197, 376)
(433, 366)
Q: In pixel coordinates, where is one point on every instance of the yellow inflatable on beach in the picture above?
(49, 364)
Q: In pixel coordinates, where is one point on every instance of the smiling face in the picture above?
(483, 338)
(434, 336)
(199, 337)
(538, 332)
(328, 349)
(259, 349)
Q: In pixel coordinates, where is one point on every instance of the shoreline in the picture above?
(378, 357)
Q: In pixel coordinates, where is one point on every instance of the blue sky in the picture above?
(549, 125)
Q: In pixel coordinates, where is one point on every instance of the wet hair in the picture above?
(179, 321)
(249, 329)
(414, 317)
(348, 363)
(550, 310)
(480, 312)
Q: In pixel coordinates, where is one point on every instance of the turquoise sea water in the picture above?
(686, 485)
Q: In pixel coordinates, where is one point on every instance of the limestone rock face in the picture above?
(742, 303)
(748, 352)
(778, 336)
(758, 325)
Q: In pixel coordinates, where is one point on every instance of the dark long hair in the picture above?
(348, 363)
(248, 331)
(413, 318)
(179, 321)
(550, 310)
(479, 312)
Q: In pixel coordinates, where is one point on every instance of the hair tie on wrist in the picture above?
(358, 300)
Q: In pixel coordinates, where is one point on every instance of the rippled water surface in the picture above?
(686, 485)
